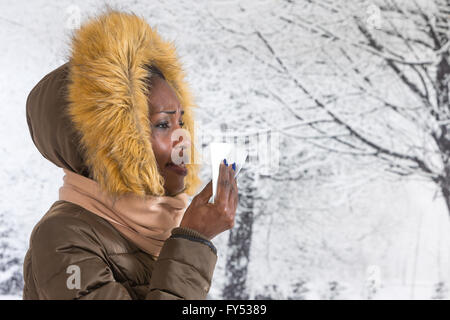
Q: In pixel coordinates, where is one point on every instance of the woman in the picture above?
(120, 229)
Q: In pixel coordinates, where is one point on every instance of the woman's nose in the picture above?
(177, 142)
(181, 143)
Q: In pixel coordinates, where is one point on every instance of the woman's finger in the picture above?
(235, 193)
(223, 186)
(230, 178)
(205, 194)
(233, 188)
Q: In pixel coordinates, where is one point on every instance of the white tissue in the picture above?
(231, 152)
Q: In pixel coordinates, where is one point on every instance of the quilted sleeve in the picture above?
(184, 268)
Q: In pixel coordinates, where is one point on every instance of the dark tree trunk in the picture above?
(443, 81)
(443, 99)
(446, 194)
(239, 241)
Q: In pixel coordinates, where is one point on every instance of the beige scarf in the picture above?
(145, 221)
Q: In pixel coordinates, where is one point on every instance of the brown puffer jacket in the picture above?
(73, 253)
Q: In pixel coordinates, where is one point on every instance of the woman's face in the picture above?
(165, 114)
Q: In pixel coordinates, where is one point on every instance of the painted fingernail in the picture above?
(225, 161)
(234, 166)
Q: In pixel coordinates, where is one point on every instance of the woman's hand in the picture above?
(210, 219)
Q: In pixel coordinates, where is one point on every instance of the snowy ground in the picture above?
(406, 255)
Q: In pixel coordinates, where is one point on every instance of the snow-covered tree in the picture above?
(381, 82)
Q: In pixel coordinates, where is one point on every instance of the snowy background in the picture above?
(341, 215)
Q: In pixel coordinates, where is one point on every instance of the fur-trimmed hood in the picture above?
(91, 114)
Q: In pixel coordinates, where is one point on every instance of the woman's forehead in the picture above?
(166, 109)
(163, 98)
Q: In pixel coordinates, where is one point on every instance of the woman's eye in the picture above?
(165, 125)
(162, 125)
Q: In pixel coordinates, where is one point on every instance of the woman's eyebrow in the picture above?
(170, 112)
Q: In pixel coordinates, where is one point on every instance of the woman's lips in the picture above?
(181, 170)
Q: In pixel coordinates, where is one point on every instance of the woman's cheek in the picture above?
(161, 147)
(165, 145)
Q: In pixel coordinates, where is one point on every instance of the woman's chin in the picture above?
(174, 183)
(174, 191)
